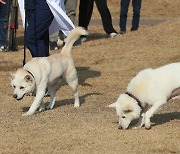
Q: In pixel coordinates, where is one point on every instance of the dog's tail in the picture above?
(72, 37)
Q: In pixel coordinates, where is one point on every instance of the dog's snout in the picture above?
(119, 127)
(15, 96)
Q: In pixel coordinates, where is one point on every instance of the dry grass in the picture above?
(105, 67)
(149, 9)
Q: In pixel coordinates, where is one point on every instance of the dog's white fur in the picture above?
(151, 87)
(48, 72)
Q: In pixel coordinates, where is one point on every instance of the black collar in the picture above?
(135, 98)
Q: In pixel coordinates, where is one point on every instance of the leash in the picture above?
(25, 28)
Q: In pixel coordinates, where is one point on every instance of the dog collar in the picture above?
(135, 98)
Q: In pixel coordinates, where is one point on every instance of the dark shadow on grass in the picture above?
(96, 36)
(159, 119)
(71, 101)
(66, 101)
(85, 73)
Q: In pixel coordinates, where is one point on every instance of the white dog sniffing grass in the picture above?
(151, 87)
(48, 72)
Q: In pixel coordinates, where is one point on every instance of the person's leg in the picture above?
(85, 12)
(37, 34)
(105, 16)
(123, 14)
(53, 41)
(136, 14)
(70, 6)
(3, 24)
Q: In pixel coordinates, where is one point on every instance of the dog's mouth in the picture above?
(18, 99)
(120, 127)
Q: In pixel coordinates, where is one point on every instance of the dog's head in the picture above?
(127, 110)
(23, 83)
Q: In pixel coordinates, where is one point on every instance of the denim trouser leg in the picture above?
(136, 14)
(123, 14)
(3, 23)
(37, 33)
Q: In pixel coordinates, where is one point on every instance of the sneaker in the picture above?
(60, 42)
(113, 34)
(53, 45)
(122, 32)
(2, 48)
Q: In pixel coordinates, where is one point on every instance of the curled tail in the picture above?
(72, 37)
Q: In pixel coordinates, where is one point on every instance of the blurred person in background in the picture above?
(57, 39)
(4, 9)
(85, 13)
(123, 15)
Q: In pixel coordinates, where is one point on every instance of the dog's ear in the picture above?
(128, 109)
(28, 79)
(12, 76)
(112, 105)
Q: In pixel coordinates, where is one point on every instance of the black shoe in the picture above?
(132, 29)
(53, 45)
(122, 32)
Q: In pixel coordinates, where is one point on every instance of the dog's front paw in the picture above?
(42, 107)
(77, 105)
(148, 126)
(27, 114)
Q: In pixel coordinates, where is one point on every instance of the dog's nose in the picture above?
(119, 127)
(15, 96)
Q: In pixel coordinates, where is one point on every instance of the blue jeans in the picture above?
(37, 33)
(136, 14)
(3, 22)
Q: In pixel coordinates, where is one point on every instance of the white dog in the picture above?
(153, 87)
(47, 72)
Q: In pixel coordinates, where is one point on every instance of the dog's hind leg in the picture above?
(72, 80)
(151, 111)
(52, 92)
(74, 84)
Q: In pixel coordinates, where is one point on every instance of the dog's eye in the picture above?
(123, 117)
(21, 88)
(14, 87)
